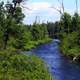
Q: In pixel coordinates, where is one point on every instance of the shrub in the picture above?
(15, 66)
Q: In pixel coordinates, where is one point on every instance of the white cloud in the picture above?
(34, 7)
(40, 9)
(37, 7)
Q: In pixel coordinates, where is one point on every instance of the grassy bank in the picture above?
(34, 44)
(16, 66)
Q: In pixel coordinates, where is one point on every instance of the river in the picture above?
(59, 66)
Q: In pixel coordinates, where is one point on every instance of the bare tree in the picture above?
(62, 5)
(25, 7)
(61, 8)
(76, 1)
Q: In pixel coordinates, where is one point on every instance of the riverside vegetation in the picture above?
(14, 36)
(16, 66)
(68, 31)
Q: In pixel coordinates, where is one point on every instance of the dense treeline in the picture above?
(70, 41)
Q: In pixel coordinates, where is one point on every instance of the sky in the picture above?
(41, 11)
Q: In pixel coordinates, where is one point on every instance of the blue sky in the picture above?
(42, 9)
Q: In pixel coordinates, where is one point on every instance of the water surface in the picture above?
(59, 66)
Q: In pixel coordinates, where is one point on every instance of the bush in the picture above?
(69, 44)
(15, 66)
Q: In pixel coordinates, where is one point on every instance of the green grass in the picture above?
(33, 44)
(16, 66)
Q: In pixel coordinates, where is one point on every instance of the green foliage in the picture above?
(34, 35)
(16, 66)
(66, 19)
(53, 29)
(70, 39)
(13, 33)
(76, 22)
(39, 31)
(11, 17)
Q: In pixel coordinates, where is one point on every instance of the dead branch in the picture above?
(57, 10)
(25, 7)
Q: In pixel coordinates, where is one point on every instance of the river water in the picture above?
(59, 66)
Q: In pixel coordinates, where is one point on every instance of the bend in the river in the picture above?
(59, 66)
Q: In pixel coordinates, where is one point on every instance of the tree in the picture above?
(36, 31)
(11, 17)
(66, 20)
(61, 8)
(75, 22)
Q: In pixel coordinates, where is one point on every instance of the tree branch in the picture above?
(25, 7)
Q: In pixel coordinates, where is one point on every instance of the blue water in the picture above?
(59, 66)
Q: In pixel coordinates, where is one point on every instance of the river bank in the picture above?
(72, 53)
(34, 44)
(17, 66)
